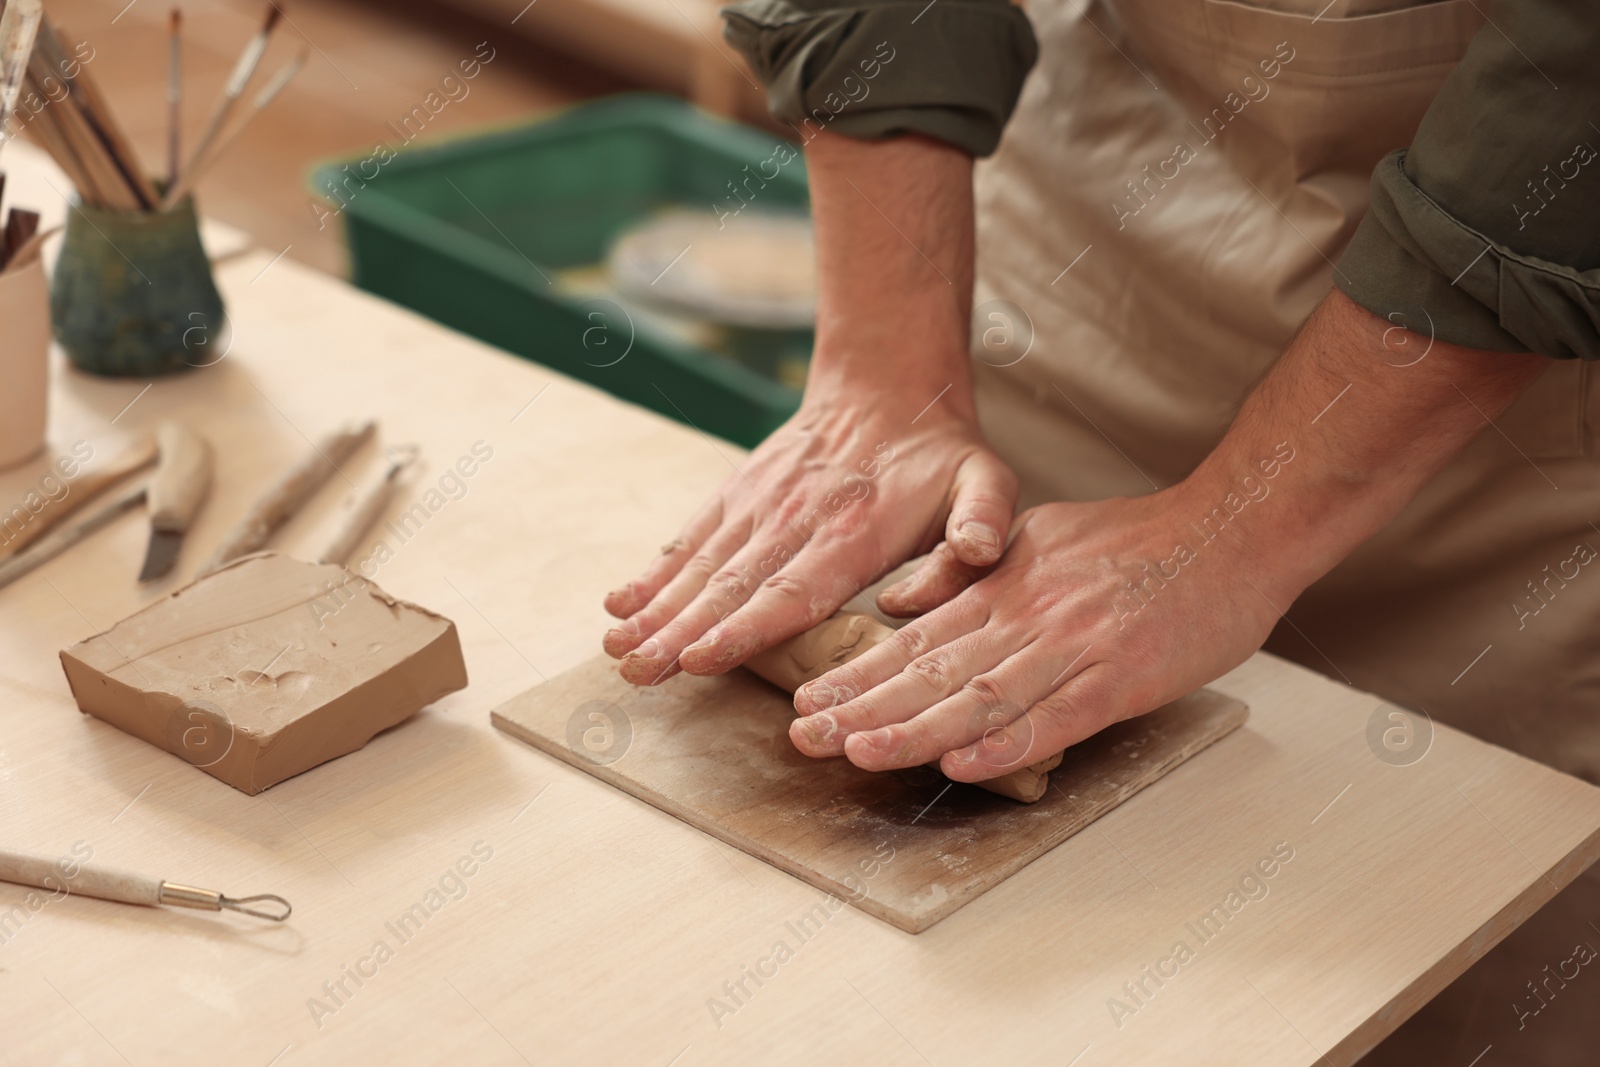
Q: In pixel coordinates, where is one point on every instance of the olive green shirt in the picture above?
(1489, 222)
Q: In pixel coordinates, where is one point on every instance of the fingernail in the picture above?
(821, 695)
(629, 628)
(819, 728)
(965, 755)
(648, 650)
(979, 533)
(898, 589)
(876, 739)
(706, 641)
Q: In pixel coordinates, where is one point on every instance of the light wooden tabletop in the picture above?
(595, 929)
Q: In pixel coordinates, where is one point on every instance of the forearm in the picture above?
(894, 226)
(1369, 419)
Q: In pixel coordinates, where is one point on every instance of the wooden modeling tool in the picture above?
(364, 511)
(125, 887)
(80, 491)
(175, 493)
(177, 490)
(53, 544)
(290, 493)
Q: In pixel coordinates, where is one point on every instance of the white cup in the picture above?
(24, 362)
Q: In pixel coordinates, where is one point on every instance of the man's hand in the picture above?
(1103, 611)
(884, 458)
(1098, 612)
(840, 495)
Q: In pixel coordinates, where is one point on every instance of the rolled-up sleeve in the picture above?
(1490, 221)
(951, 69)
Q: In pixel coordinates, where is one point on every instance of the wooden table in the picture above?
(594, 928)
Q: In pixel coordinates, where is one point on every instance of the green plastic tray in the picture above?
(479, 232)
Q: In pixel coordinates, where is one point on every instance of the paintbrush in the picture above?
(246, 66)
(197, 167)
(18, 28)
(174, 93)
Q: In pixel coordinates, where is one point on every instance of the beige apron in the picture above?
(1164, 210)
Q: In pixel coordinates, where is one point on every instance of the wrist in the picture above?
(1281, 523)
(905, 379)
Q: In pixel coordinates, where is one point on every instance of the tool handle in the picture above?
(79, 491)
(365, 511)
(105, 883)
(359, 520)
(61, 540)
(182, 477)
(297, 485)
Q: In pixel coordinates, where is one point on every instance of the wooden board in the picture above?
(909, 847)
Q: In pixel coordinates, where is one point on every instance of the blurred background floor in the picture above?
(370, 64)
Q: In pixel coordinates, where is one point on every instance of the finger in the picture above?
(985, 496)
(988, 702)
(685, 586)
(729, 589)
(806, 590)
(636, 594)
(889, 658)
(938, 579)
(883, 694)
(1084, 706)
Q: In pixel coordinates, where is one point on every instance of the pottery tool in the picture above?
(19, 25)
(58, 541)
(290, 493)
(125, 887)
(177, 490)
(243, 69)
(174, 93)
(366, 509)
(80, 491)
(174, 492)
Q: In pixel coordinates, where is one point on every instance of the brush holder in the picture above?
(133, 295)
(24, 362)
